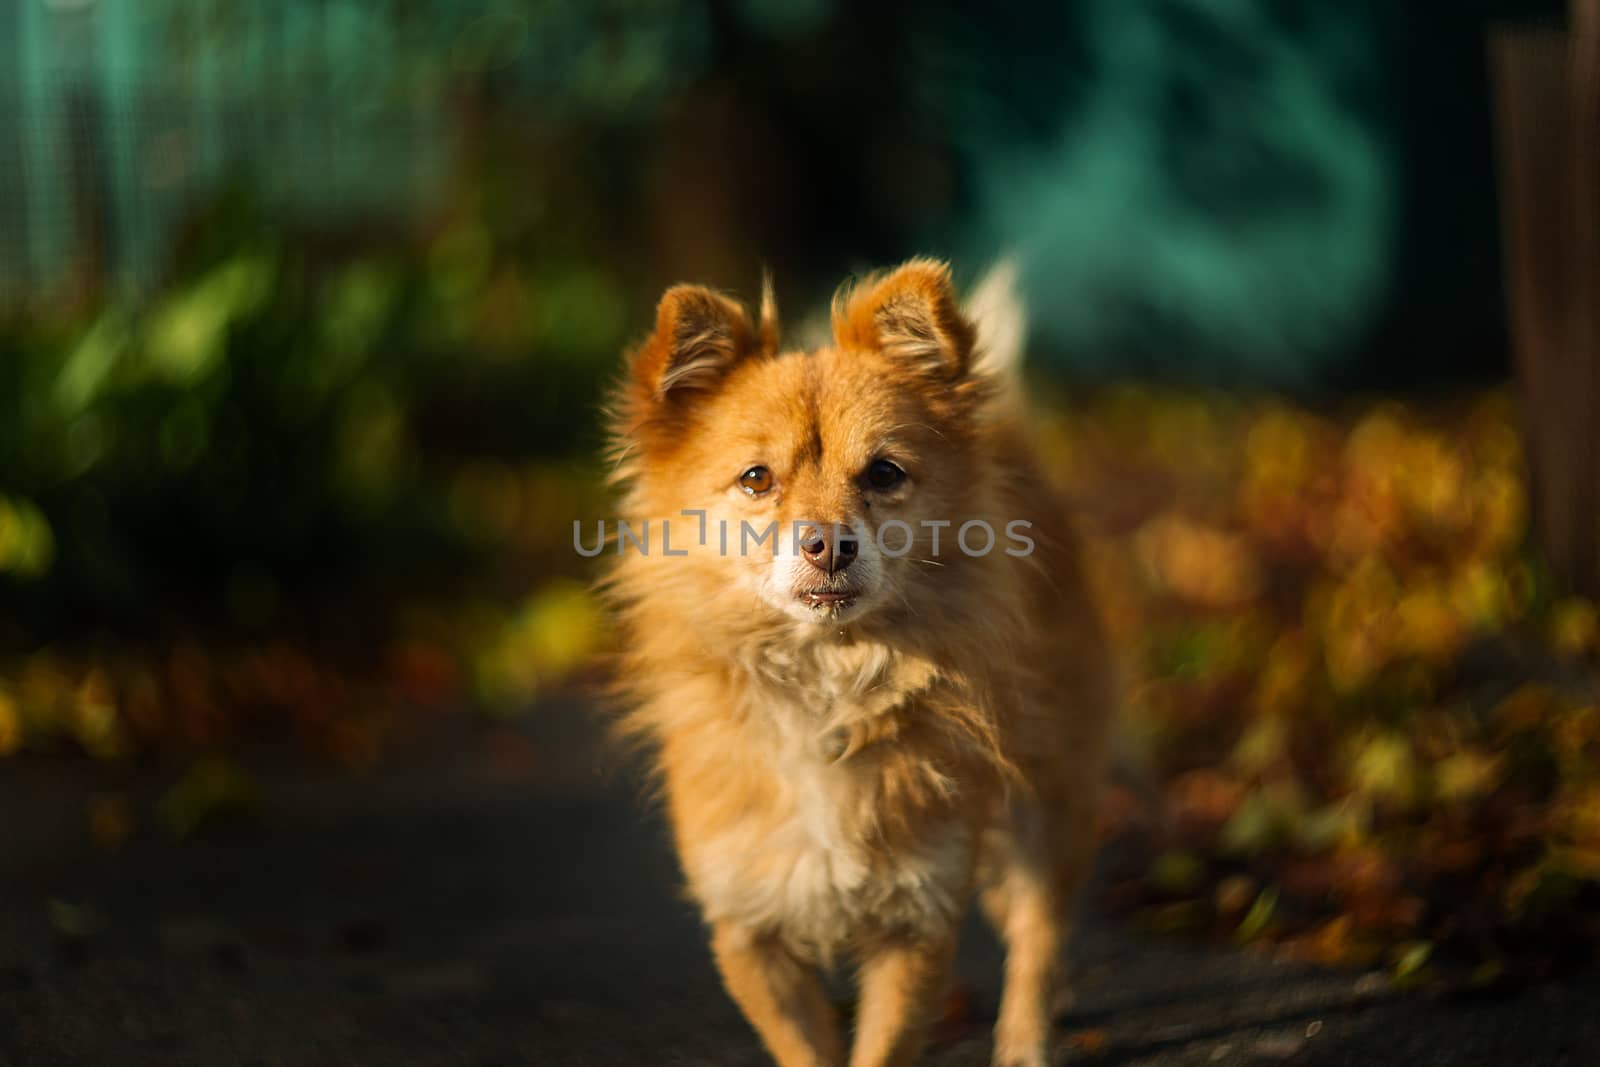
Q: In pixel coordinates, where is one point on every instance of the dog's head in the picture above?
(831, 484)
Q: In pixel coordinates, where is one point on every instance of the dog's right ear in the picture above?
(910, 314)
(699, 336)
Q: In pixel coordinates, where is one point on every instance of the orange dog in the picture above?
(861, 647)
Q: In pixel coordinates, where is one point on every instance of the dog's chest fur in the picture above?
(811, 863)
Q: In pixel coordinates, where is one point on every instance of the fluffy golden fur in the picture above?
(850, 753)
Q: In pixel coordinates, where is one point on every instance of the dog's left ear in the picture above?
(911, 315)
(699, 335)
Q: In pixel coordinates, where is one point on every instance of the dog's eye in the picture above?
(756, 480)
(883, 474)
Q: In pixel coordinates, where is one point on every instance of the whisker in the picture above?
(917, 425)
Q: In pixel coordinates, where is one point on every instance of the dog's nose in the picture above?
(830, 550)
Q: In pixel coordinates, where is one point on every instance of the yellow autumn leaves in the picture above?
(1371, 713)
(1371, 708)
(27, 543)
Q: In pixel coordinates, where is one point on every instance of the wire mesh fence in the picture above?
(118, 118)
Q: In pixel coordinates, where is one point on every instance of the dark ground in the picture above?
(506, 901)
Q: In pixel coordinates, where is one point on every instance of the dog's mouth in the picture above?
(816, 597)
(829, 598)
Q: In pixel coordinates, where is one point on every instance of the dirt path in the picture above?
(502, 903)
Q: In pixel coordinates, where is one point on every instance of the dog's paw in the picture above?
(1037, 1055)
(1021, 1049)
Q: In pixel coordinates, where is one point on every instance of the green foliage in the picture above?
(1221, 177)
(273, 421)
(313, 491)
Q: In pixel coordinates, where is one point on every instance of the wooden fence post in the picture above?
(1584, 138)
(1547, 115)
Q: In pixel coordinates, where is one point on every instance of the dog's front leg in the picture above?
(782, 997)
(901, 982)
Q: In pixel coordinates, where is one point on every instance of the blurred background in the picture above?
(307, 308)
